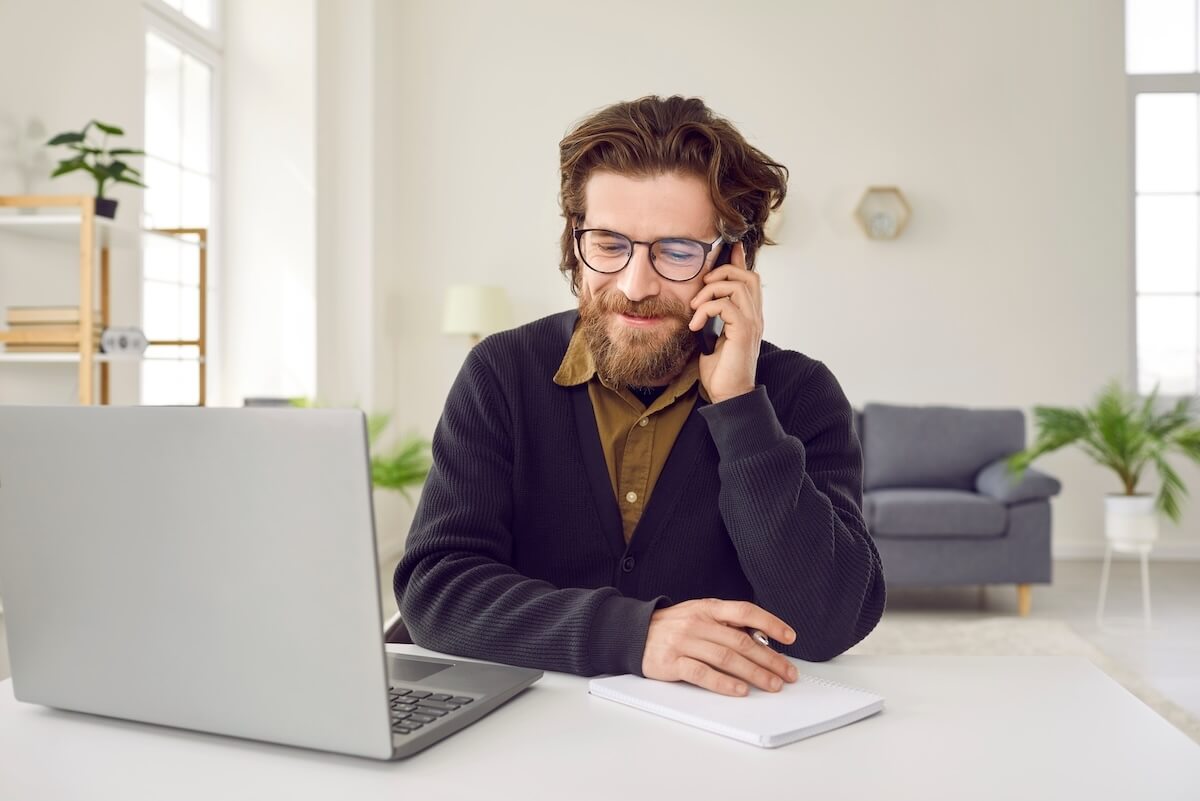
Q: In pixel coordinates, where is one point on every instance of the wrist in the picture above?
(721, 397)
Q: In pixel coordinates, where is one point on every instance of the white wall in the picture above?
(1004, 122)
(63, 63)
(345, 200)
(269, 215)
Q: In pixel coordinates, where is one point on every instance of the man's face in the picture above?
(636, 321)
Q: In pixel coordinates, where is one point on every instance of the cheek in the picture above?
(596, 283)
(686, 292)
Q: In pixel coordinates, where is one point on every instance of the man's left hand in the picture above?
(735, 293)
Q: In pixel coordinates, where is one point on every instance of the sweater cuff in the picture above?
(744, 425)
(618, 638)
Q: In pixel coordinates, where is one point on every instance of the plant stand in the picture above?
(1143, 551)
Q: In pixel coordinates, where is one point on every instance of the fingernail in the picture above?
(791, 635)
(741, 689)
(792, 672)
(776, 684)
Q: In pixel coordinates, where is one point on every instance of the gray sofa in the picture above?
(938, 501)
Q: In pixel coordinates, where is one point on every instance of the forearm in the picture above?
(470, 605)
(797, 528)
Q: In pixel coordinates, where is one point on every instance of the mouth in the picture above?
(638, 320)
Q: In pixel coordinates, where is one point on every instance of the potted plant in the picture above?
(105, 164)
(1125, 437)
(406, 465)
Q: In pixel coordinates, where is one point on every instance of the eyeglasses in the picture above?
(674, 259)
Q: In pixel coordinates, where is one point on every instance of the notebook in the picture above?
(802, 709)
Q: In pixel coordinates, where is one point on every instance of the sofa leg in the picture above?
(1024, 599)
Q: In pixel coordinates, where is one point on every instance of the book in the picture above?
(61, 315)
(45, 349)
(805, 708)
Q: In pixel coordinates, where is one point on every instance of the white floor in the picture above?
(1167, 655)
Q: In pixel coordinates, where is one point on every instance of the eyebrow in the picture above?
(587, 224)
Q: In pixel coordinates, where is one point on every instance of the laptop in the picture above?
(214, 569)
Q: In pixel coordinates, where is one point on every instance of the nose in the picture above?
(638, 280)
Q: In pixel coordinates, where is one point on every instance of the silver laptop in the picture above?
(215, 570)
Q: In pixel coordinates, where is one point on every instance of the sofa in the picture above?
(940, 505)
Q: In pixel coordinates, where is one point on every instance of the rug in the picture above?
(1009, 636)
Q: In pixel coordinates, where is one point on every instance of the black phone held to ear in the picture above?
(706, 337)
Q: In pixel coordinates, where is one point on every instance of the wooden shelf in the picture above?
(99, 358)
(71, 219)
(64, 227)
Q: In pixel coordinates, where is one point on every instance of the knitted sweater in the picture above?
(516, 553)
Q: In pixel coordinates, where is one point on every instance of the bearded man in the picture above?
(605, 497)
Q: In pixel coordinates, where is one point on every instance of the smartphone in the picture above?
(706, 337)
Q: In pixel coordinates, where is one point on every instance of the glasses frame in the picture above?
(707, 247)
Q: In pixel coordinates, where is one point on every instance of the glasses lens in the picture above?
(604, 251)
(678, 259)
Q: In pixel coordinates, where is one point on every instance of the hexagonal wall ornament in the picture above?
(883, 212)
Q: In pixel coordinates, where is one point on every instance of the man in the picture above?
(606, 499)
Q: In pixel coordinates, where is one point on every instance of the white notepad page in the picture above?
(809, 706)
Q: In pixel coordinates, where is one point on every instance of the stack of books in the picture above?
(46, 329)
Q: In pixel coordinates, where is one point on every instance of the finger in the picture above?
(744, 613)
(693, 671)
(732, 272)
(743, 643)
(729, 661)
(722, 306)
(739, 293)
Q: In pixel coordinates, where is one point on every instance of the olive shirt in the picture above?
(637, 439)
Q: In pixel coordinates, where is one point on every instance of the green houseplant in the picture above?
(405, 465)
(98, 159)
(1125, 436)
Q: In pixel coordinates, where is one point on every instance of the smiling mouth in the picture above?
(636, 319)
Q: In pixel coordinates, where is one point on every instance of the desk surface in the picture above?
(952, 727)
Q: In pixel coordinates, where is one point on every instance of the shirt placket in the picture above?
(634, 478)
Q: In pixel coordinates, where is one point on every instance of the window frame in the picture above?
(1139, 84)
(207, 46)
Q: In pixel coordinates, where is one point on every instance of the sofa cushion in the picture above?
(919, 512)
(995, 482)
(934, 446)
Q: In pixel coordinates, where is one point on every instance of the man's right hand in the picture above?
(704, 642)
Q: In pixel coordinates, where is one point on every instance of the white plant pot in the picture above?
(1130, 521)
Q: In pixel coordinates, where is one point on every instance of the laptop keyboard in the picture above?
(412, 709)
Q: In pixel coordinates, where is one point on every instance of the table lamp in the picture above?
(475, 310)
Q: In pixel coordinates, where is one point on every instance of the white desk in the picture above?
(952, 727)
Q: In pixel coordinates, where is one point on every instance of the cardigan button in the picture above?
(627, 564)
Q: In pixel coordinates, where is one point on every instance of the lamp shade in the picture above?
(475, 310)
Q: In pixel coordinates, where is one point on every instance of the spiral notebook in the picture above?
(802, 709)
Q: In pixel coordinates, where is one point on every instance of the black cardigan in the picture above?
(516, 553)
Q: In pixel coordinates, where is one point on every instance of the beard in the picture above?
(641, 357)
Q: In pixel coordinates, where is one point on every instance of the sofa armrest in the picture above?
(995, 481)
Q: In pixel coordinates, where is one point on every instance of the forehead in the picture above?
(670, 204)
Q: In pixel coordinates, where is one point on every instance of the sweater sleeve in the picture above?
(791, 500)
(455, 586)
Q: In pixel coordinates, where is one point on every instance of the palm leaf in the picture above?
(1125, 435)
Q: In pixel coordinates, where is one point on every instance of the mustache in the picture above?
(649, 307)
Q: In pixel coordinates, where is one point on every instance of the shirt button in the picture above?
(627, 564)
(643, 422)
(631, 497)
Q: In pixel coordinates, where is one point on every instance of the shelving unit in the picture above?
(77, 223)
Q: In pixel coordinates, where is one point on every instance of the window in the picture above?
(1162, 50)
(180, 98)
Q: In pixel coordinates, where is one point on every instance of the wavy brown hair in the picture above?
(651, 136)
